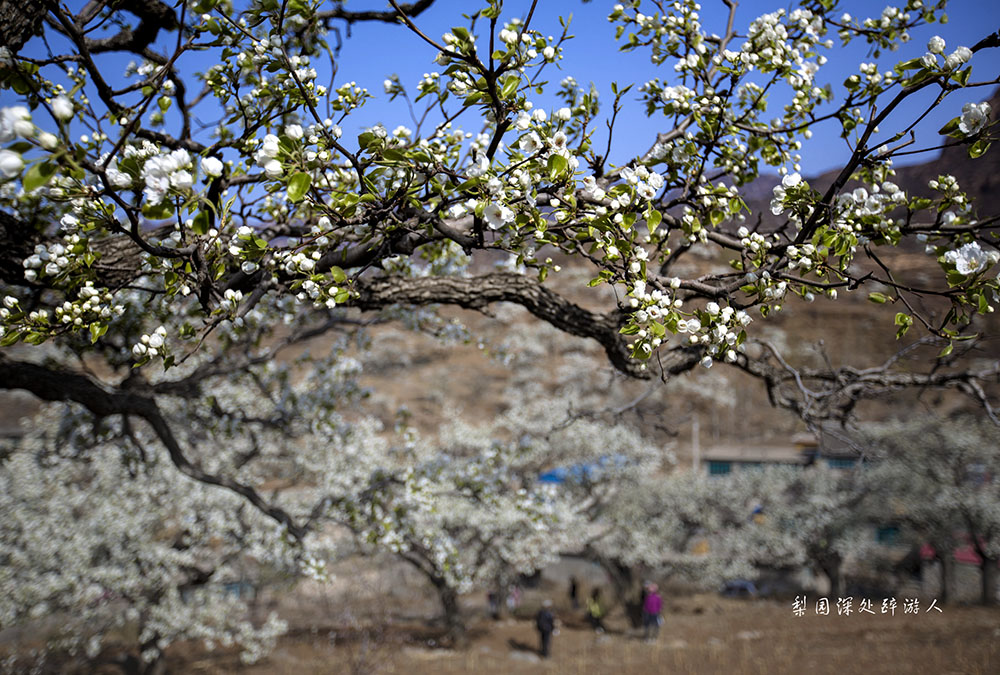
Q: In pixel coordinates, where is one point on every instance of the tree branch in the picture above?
(481, 291)
(50, 384)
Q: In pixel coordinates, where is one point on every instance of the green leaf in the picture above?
(366, 139)
(298, 186)
(338, 274)
(979, 148)
(201, 222)
(951, 126)
(962, 76)
(903, 321)
(946, 351)
(955, 278)
(10, 338)
(393, 155)
(509, 86)
(912, 64)
(96, 331)
(38, 175)
(557, 165)
(653, 220)
(877, 298)
(160, 211)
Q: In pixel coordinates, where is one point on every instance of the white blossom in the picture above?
(62, 108)
(975, 116)
(211, 166)
(968, 259)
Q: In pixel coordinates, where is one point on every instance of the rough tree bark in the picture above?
(19, 21)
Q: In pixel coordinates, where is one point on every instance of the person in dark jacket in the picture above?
(545, 622)
(574, 590)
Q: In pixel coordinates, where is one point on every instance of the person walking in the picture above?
(574, 589)
(545, 622)
(595, 611)
(651, 607)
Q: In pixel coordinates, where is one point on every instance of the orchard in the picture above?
(195, 194)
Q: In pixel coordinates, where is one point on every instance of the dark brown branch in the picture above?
(816, 395)
(387, 16)
(50, 384)
(152, 14)
(481, 291)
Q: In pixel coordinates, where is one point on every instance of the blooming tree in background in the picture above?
(943, 474)
(110, 546)
(166, 235)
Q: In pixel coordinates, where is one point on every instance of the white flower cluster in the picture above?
(948, 186)
(755, 243)
(768, 46)
(855, 208)
(266, 156)
(935, 49)
(646, 183)
(677, 98)
(150, 345)
(677, 31)
(350, 96)
(299, 261)
(429, 82)
(15, 122)
(162, 173)
(50, 260)
(780, 192)
(94, 305)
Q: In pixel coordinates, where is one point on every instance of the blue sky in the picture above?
(374, 51)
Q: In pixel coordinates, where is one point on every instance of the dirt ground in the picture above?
(701, 634)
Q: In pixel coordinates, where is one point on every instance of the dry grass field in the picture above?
(702, 634)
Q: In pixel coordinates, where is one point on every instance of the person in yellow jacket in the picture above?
(595, 611)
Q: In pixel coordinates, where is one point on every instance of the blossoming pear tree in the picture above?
(679, 527)
(165, 235)
(942, 474)
(819, 516)
(109, 548)
(273, 202)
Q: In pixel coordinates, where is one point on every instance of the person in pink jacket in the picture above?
(651, 608)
